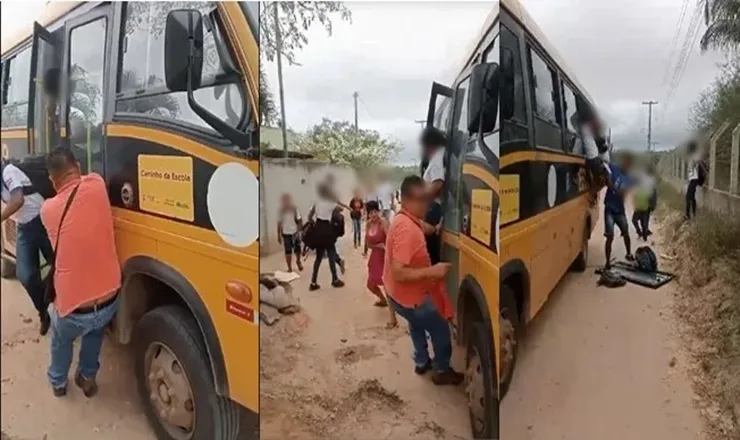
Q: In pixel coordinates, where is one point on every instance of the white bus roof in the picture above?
(515, 8)
(51, 12)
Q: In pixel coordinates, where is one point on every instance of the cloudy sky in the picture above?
(391, 53)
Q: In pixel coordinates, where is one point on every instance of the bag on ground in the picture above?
(646, 259)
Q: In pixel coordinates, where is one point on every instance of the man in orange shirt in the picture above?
(87, 272)
(415, 286)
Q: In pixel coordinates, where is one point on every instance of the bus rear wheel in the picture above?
(480, 383)
(510, 328)
(174, 379)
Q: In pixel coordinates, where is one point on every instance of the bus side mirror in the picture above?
(183, 50)
(483, 98)
(507, 84)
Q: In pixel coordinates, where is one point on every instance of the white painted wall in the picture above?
(299, 178)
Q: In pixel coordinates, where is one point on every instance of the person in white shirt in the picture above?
(289, 228)
(384, 197)
(696, 177)
(23, 205)
(325, 234)
(433, 143)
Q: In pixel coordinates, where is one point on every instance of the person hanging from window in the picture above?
(414, 286)
(23, 205)
(87, 272)
(696, 177)
(375, 235)
(614, 211)
(433, 143)
(325, 234)
(289, 226)
(51, 87)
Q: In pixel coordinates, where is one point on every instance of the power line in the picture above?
(674, 42)
(686, 50)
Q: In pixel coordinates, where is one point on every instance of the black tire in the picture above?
(480, 361)
(7, 269)
(217, 418)
(508, 311)
(581, 262)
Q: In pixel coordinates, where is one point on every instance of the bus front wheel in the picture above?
(174, 379)
(480, 383)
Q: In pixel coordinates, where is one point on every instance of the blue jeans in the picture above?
(32, 240)
(424, 319)
(89, 326)
(357, 230)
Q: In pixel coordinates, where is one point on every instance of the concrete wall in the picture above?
(299, 178)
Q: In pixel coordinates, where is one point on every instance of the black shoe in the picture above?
(421, 370)
(337, 283)
(44, 323)
(60, 392)
(89, 387)
(313, 287)
(448, 377)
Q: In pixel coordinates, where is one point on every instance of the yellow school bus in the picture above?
(161, 99)
(547, 209)
(467, 111)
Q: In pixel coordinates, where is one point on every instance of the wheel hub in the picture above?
(170, 391)
(475, 390)
(508, 346)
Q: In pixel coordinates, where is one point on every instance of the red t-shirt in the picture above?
(406, 244)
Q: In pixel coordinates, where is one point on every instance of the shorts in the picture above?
(611, 219)
(292, 244)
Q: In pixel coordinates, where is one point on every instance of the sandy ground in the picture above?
(334, 371)
(31, 412)
(602, 364)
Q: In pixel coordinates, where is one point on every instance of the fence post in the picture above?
(734, 159)
(713, 153)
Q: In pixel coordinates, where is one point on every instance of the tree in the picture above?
(339, 142)
(722, 18)
(295, 18)
(268, 108)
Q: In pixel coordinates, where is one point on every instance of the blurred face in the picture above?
(374, 215)
(285, 200)
(415, 202)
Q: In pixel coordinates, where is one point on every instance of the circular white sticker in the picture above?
(552, 186)
(233, 198)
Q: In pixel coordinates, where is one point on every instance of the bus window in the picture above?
(141, 81)
(86, 101)
(491, 138)
(514, 134)
(15, 90)
(546, 108)
(451, 221)
(571, 119)
(47, 93)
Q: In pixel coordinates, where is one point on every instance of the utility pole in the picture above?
(278, 49)
(355, 96)
(650, 105)
(421, 122)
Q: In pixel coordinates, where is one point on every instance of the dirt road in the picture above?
(335, 372)
(602, 364)
(31, 412)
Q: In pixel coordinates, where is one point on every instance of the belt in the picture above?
(95, 307)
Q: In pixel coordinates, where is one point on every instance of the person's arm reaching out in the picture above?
(403, 248)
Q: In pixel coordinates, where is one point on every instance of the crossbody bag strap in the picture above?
(61, 220)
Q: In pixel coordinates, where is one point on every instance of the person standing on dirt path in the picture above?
(23, 204)
(322, 214)
(433, 143)
(87, 273)
(697, 175)
(614, 211)
(375, 236)
(289, 226)
(357, 206)
(415, 286)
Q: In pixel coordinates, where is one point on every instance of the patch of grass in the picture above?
(706, 254)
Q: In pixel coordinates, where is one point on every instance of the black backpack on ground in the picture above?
(611, 279)
(34, 167)
(646, 259)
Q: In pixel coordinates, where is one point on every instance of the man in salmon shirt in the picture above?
(87, 272)
(416, 287)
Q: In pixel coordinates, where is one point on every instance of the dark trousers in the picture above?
(691, 198)
(32, 240)
(641, 221)
(331, 252)
(434, 242)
